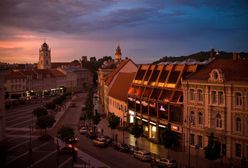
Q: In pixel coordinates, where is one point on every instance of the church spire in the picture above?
(118, 53)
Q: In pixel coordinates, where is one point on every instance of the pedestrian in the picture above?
(102, 131)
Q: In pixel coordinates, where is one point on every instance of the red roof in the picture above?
(233, 70)
(14, 75)
(119, 90)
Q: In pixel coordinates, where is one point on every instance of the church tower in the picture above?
(118, 54)
(44, 57)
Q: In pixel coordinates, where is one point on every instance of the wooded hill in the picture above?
(201, 56)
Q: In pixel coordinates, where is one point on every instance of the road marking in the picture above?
(17, 129)
(43, 158)
(66, 161)
(21, 136)
(16, 119)
(20, 144)
(14, 159)
(44, 144)
(20, 123)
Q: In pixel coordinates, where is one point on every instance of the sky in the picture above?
(145, 29)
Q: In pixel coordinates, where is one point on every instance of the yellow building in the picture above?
(216, 101)
(118, 96)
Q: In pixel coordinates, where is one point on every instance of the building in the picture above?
(2, 109)
(118, 96)
(106, 69)
(15, 85)
(155, 98)
(44, 57)
(127, 66)
(216, 101)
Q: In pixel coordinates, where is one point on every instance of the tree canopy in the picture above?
(170, 138)
(45, 121)
(65, 133)
(40, 111)
(211, 151)
(113, 121)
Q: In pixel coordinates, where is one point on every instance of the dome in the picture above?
(44, 46)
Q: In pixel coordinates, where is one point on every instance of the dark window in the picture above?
(163, 76)
(237, 150)
(148, 75)
(173, 76)
(140, 75)
(155, 93)
(154, 76)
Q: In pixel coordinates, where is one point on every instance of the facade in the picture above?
(127, 66)
(216, 101)
(118, 99)
(2, 108)
(155, 98)
(15, 85)
(106, 69)
(44, 57)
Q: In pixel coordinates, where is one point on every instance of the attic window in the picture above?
(216, 75)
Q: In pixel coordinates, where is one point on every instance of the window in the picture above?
(215, 75)
(192, 139)
(237, 150)
(199, 141)
(192, 118)
(221, 98)
(199, 95)
(213, 97)
(191, 94)
(238, 99)
(218, 121)
(200, 118)
(238, 124)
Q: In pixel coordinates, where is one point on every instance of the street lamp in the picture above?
(189, 120)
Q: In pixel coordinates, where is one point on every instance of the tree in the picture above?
(211, 151)
(40, 111)
(113, 121)
(96, 118)
(58, 100)
(65, 133)
(170, 138)
(45, 121)
(137, 131)
(51, 105)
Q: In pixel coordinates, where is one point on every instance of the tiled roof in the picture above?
(111, 75)
(56, 73)
(14, 75)
(121, 85)
(233, 70)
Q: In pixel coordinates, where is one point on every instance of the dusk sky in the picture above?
(146, 30)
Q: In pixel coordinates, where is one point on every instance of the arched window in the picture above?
(218, 121)
(192, 118)
(238, 99)
(214, 97)
(238, 124)
(191, 94)
(200, 118)
(199, 95)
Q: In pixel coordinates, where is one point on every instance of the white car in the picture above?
(166, 162)
(101, 142)
(83, 130)
(142, 155)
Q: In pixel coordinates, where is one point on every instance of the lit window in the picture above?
(238, 99)
(220, 97)
(191, 94)
(237, 150)
(200, 118)
(213, 97)
(218, 121)
(199, 95)
(238, 124)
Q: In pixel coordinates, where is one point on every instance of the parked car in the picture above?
(83, 130)
(66, 150)
(164, 162)
(108, 139)
(101, 142)
(91, 134)
(121, 147)
(142, 155)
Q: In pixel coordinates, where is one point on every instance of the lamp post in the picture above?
(188, 119)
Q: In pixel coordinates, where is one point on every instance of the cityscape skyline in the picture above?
(146, 31)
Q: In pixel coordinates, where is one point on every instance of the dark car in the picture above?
(164, 162)
(91, 135)
(121, 147)
(66, 150)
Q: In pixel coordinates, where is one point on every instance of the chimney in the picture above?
(236, 56)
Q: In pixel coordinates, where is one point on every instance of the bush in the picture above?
(40, 111)
(50, 105)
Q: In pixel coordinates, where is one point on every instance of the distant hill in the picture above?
(201, 56)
